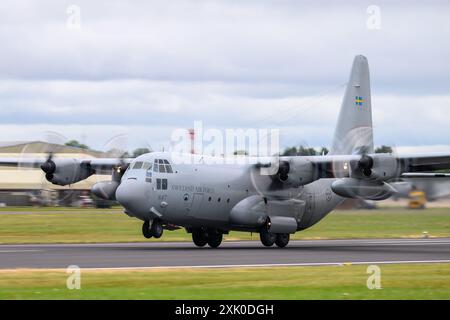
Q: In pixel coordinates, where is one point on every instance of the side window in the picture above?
(158, 184)
(155, 166)
(161, 184)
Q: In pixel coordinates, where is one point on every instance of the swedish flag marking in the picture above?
(359, 101)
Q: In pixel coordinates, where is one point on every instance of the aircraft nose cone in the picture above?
(131, 195)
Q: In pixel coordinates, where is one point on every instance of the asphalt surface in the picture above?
(239, 253)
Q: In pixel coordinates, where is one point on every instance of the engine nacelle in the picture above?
(65, 171)
(362, 189)
(381, 167)
(105, 189)
(295, 174)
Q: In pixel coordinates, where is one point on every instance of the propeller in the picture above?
(275, 181)
(117, 147)
(105, 186)
(49, 145)
(49, 167)
(362, 168)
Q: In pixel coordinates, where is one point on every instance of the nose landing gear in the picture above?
(152, 229)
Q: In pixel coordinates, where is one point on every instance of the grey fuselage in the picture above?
(202, 194)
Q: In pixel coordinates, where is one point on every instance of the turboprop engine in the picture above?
(381, 167)
(107, 189)
(65, 171)
(291, 173)
(296, 173)
(368, 178)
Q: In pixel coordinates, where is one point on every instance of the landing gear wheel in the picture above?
(146, 230)
(267, 238)
(214, 239)
(282, 240)
(199, 238)
(156, 229)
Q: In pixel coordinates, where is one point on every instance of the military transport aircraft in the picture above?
(209, 199)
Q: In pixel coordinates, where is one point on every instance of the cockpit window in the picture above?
(147, 166)
(162, 165)
(137, 165)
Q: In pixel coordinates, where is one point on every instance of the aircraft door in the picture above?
(309, 210)
(195, 206)
(148, 183)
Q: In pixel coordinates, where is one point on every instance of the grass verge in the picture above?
(412, 281)
(111, 225)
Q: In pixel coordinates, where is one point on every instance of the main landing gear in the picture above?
(269, 239)
(152, 229)
(202, 237)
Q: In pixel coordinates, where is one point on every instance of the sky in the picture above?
(128, 73)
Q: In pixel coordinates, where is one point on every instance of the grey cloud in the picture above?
(252, 41)
(148, 67)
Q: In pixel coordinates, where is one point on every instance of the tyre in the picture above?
(199, 238)
(146, 230)
(282, 240)
(214, 240)
(267, 238)
(156, 229)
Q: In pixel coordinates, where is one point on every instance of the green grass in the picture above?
(58, 209)
(416, 281)
(111, 225)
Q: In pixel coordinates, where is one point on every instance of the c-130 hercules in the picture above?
(209, 200)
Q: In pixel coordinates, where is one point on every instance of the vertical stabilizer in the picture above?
(354, 132)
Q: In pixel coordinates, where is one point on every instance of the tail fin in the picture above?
(354, 132)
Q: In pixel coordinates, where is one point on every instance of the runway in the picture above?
(236, 253)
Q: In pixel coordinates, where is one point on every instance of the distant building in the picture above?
(25, 186)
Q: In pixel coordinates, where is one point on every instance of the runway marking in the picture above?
(237, 266)
(19, 251)
(326, 242)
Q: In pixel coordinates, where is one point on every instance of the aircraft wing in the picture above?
(425, 162)
(419, 165)
(389, 165)
(98, 165)
(22, 162)
(420, 175)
